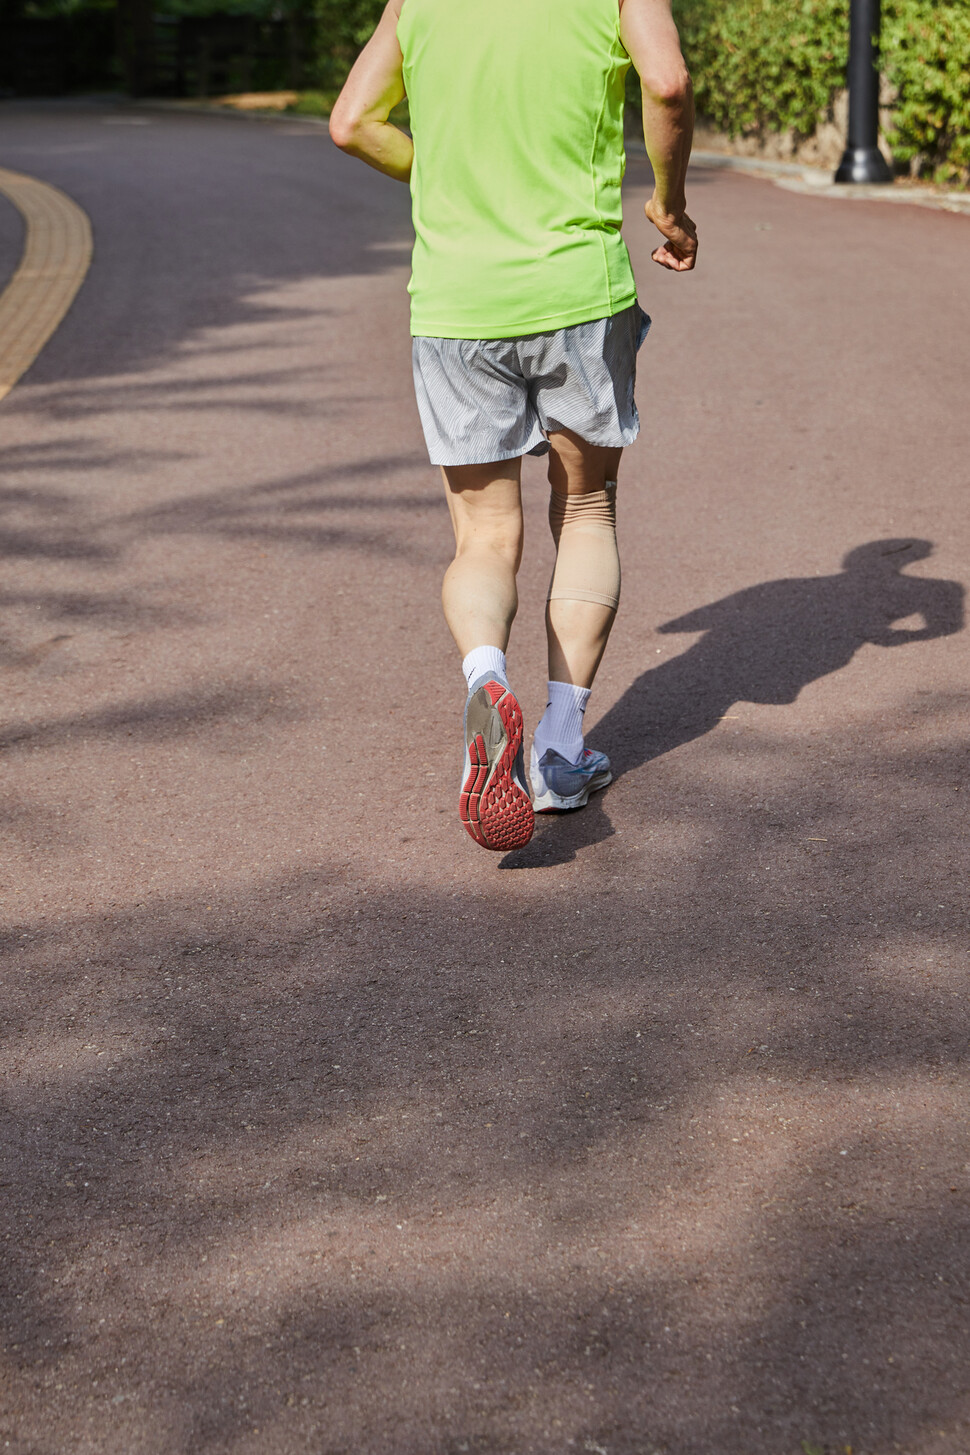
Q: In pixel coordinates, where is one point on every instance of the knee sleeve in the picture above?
(587, 561)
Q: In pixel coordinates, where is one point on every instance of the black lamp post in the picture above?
(862, 161)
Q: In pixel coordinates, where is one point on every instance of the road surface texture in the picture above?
(326, 1131)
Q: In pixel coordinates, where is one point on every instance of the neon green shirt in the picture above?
(517, 118)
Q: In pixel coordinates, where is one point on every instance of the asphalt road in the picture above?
(327, 1132)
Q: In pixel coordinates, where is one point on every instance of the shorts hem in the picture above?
(485, 455)
(601, 440)
(538, 447)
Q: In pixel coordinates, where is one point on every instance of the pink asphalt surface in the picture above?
(325, 1130)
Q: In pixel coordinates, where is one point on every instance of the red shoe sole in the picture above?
(494, 809)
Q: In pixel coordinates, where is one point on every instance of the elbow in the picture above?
(671, 87)
(343, 128)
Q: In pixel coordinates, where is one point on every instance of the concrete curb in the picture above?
(818, 182)
(200, 108)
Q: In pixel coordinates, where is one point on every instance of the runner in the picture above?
(525, 327)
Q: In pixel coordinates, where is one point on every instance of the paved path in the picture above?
(327, 1132)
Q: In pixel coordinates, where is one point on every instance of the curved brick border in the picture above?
(56, 257)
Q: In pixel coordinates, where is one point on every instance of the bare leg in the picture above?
(578, 631)
(480, 600)
(478, 594)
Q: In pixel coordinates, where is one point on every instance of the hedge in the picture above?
(927, 59)
(762, 66)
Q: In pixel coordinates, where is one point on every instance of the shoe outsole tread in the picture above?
(493, 806)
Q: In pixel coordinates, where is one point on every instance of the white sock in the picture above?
(561, 726)
(485, 659)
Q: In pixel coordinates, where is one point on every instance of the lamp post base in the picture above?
(863, 164)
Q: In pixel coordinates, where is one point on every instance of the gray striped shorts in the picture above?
(493, 399)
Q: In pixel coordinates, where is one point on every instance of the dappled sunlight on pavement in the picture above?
(325, 1131)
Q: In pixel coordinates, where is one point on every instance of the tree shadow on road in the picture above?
(196, 218)
(643, 1177)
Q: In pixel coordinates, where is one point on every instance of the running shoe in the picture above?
(494, 805)
(558, 784)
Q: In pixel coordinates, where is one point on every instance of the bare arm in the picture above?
(358, 122)
(648, 31)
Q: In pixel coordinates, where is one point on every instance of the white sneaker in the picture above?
(558, 784)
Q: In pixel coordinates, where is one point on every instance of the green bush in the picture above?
(763, 66)
(926, 57)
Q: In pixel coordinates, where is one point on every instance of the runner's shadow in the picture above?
(766, 643)
(763, 644)
(559, 836)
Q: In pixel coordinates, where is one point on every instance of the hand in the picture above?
(679, 250)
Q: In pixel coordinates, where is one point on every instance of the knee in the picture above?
(594, 511)
(587, 562)
(502, 538)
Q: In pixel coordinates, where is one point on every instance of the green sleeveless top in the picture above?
(517, 117)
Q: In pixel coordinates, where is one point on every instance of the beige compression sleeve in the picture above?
(587, 560)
